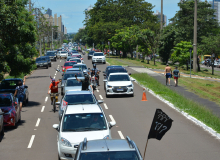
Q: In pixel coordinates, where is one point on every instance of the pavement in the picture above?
(35, 139)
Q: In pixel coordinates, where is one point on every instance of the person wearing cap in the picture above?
(53, 88)
(85, 83)
(168, 73)
(96, 73)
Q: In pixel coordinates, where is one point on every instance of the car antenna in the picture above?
(106, 144)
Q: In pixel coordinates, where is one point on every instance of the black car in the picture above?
(90, 54)
(52, 55)
(42, 62)
(9, 85)
(48, 60)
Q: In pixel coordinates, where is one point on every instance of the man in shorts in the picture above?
(19, 92)
(168, 73)
(176, 75)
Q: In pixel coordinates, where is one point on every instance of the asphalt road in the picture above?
(35, 139)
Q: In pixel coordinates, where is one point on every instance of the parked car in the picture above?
(108, 149)
(9, 85)
(52, 55)
(79, 121)
(48, 60)
(11, 108)
(216, 63)
(1, 123)
(98, 57)
(119, 83)
(62, 54)
(90, 54)
(42, 62)
(68, 64)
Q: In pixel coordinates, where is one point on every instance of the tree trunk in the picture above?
(198, 65)
(154, 59)
(131, 52)
(124, 54)
(187, 67)
(137, 52)
(212, 66)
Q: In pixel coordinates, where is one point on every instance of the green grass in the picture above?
(20, 76)
(192, 108)
(112, 61)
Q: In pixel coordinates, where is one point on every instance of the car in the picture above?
(52, 55)
(62, 54)
(90, 54)
(72, 84)
(78, 60)
(1, 123)
(69, 75)
(48, 60)
(11, 108)
(119, 83)
(42, 62)
(9, 85)
(98, 57)
(216, 63)
(82, 67)
(68, 64)
(108, 149)
(78, 122)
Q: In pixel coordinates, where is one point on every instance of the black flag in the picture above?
(160, 125)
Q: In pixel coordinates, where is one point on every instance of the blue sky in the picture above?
(73, 15)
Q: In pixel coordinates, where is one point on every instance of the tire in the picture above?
(59, 157)
(104, 62)
(54, 105)
(3, 131)
(107, 96)
(132, 95)
(92, 62)
(47, 67)
(50, 65)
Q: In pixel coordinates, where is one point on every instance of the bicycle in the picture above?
(53, 95)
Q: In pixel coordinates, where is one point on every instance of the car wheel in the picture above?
(92, 62)
(3, 131)
(107, 96)
(58, 157)
(104, 62)
(47, 67)
(50, 65)
(55, 60)
(132, 95)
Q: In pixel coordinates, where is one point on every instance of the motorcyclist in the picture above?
(53, 88)
(96, 73)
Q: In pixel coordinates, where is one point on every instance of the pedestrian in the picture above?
(168, 73)
(19, 92)
(176, 75)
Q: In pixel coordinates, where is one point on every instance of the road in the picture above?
(35, 139)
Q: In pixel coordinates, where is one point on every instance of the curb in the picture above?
(191, 118)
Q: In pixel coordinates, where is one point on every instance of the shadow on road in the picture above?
(32, 104)
(9, 128)
(31, 77)
(1, 137)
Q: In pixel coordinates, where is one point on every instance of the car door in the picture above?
(16, 107)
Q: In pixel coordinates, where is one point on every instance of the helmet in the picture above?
(53, 80)
(93, 69)
(94, 65)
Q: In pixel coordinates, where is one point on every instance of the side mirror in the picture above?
(132, 80)
(25, 86)
(88, 68)
(112, 123)
(104, 80)
(100, 101)
(56, 126)
(104, 74)
(1, 113)
(129, 73)
(57, 103)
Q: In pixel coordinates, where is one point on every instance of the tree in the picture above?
(17, 37)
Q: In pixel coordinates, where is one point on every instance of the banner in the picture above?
(160, 125)
(64, 105)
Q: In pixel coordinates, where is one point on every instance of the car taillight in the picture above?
(81, 58)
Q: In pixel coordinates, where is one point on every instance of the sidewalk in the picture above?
(159, 76)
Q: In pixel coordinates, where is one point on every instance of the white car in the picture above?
(98, 57)
(62, 54)
(119, 83)
(80, 121)
(78, 60)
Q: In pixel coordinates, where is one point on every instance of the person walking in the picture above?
(19, 92)
(176, 75)
(168, 73)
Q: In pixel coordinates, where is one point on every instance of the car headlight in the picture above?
(45, 63)
(129, 86)
(65, 142)
(106, 137)
(9, 112)
(109, 86)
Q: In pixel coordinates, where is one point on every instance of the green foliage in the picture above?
(181, 52)
(65, 41)
(17, 37)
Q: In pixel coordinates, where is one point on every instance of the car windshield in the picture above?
(69, 63)
(5, 100)
(77, 60)
(84, 122)
(119, 155)
(119, 78)
(63, 52)
(98, 54)
(40, 59)
(9, 84)
(72, 75)
(50, 53)
(116, 71)
(79, 99)
(91, 53)
(73, 82)
(80, 67)
(76, 56)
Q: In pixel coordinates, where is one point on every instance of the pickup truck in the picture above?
(62, 54)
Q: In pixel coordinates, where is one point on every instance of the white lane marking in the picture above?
(54, 77)
(52, 62)
(42, 110)
(38, 122)
(56, 72)
(35, 129)
(60, 60)
(101, 96)
(58, 65)
(97, 90)
(105, 106)
(112, 119)
(46, 99)
(31, 141)
(121, 135)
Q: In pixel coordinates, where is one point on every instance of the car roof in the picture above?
(104, 145)
(75, 78)
(73, 69)
(73, 72)
(77, 92)
(79, 64)
(116, 68)
(10, 79)
(69, 61)
(84, 108)
(98, 52)
(118, 73)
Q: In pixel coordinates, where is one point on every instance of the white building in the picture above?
(216, 6)
(158, 14)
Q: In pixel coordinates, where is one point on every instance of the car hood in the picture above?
(67, 67)
(6, 109)
(120, 83)
(41, 62)
(73, 88)
(98, 56)
(77, 137)
(7, 90)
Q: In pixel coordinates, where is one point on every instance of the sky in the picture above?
(72, 11)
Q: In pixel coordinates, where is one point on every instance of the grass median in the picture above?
(192, 108)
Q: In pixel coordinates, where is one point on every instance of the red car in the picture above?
(12, 112)
(77, 56)
(68, 64)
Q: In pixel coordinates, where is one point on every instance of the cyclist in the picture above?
(96, 73)
(54, 89)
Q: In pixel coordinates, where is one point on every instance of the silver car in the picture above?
(107, 149)
(1, 123)
(72, 85)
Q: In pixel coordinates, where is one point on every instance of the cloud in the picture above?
(64, 16)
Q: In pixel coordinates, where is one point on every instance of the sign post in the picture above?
(190, 50)
(109, 50)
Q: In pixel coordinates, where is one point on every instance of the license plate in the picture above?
(41, 65)
(119, 89)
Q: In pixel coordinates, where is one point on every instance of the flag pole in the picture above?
(145, 148)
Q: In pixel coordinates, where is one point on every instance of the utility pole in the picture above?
(29, 5)
(161, 16)
(52, 39)
(195, 39)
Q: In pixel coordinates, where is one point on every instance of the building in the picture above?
(158, 14)
(65, 30)
(60, 23)
(55, 20)
(49, 12)
(216, 6)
